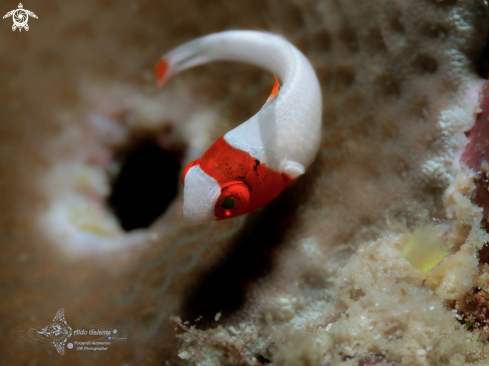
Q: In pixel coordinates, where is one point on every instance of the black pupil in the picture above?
(228, 203)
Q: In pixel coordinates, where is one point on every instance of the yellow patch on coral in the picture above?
(425, 249)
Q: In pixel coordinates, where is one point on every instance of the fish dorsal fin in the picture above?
(275, 89)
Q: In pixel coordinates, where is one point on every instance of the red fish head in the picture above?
(227, 182)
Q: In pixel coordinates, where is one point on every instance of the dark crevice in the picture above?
(482, 61)
(484, 252)
(262, 359)
(479, 55)
(145, 186)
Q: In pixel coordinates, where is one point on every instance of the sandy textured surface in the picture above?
(318, 277)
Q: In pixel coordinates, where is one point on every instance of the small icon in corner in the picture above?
(20, 17)
(70, 345)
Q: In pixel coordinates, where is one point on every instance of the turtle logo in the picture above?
(20, 17)
(58, 331)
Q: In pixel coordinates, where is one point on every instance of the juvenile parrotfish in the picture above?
(250, 165)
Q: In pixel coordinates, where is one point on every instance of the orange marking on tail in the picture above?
(160, 72)
(275, 89)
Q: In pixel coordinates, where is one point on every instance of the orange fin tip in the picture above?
(160, 71)
(275, 89)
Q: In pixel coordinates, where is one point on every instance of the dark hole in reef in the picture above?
(484, 252)
(482, 60)
(145, 185)
(479, 55)
(262, 360)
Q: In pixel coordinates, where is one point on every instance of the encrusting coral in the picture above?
(317, 277)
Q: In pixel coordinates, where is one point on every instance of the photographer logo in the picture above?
(20, 17)
(96, 337)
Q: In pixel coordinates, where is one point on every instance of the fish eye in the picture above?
(228, 203)
(233, 201)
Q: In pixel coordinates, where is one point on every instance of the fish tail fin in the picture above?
(161, 72)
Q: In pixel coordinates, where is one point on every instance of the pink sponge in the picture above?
(476, 154)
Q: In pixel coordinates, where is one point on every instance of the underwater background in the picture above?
(373, 257)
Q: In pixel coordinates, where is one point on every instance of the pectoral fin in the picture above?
(294, 169)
